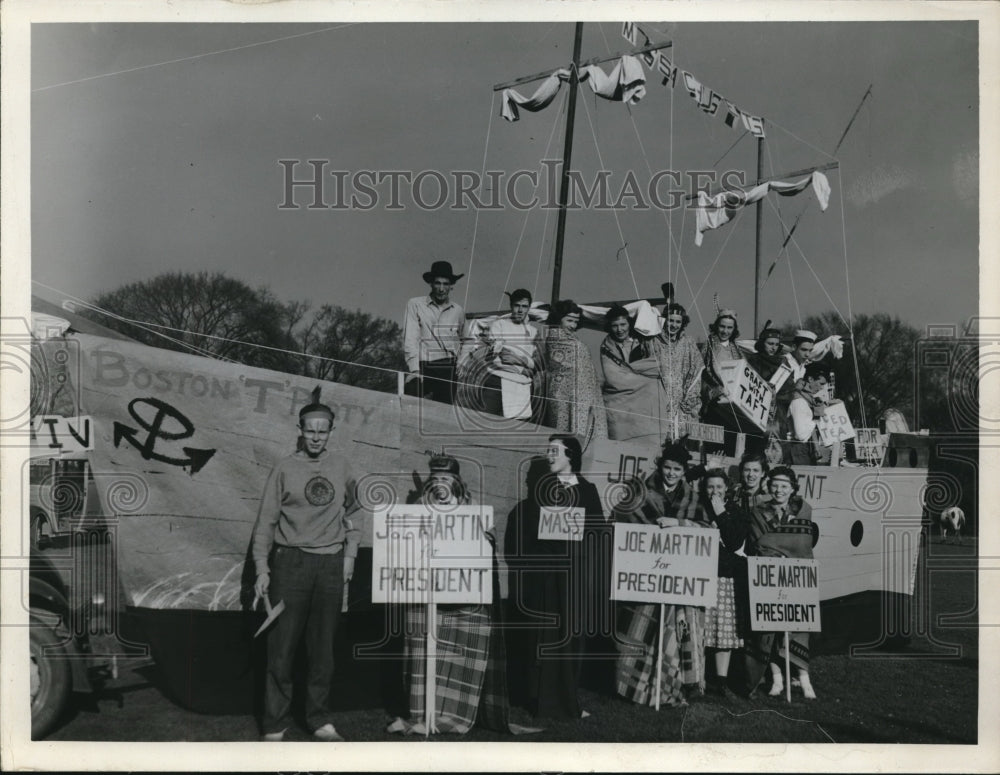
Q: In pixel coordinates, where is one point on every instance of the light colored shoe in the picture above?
(807, 689)
(328, 734)
(273, 737)
(584, 714)
(777, 686)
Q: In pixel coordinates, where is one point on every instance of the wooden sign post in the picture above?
(423, 555)
(676, 566)
(784, 597)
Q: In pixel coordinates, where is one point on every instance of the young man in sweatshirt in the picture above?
(304, 547)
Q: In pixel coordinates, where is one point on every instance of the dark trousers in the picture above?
(312, 587)
(437, 381)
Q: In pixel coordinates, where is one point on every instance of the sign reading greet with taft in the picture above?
(749, 391)
(784, 594)
(442, 555)
(675, 565)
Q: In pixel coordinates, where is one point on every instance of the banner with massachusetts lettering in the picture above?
(707, 98)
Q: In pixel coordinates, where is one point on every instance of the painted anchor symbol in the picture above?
(196, 458)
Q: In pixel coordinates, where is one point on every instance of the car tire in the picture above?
(37, 527)
(51, 681)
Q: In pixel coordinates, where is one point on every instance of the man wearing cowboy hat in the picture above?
(432, 336)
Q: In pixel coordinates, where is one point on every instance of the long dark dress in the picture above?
(558, 591)
(770, 537)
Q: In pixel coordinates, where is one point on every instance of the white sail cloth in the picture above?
(625, 83)
(714, 211)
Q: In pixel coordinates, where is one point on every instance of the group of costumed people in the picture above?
(557, 585)
(761, 514)
(305, 540)
(656, 379)
(560, 619)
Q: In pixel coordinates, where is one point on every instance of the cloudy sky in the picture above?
(156, 147)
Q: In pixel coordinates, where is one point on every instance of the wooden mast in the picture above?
(574, 81)
(756, 264)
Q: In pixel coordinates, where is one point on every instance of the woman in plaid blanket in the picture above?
(470, 686)
(667, 500)
(781, 526)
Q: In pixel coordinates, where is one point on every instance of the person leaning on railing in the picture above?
(432, 330)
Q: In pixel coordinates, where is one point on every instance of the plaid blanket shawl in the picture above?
(683, 659)
(463, 638)
(769, 537)
(471, 678)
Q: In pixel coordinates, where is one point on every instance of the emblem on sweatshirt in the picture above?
(319, 491)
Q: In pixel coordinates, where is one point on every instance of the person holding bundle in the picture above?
(514, 361)
(637, 405)
(667, 500)
(781, 526)
(809, 403)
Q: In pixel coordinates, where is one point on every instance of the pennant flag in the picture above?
(732, 114)
(754, 124)
(713, 212)
(668, 70)
(628, 32)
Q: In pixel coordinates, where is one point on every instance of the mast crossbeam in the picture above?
(587, 63)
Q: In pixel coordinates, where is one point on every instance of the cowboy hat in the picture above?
(441, 269)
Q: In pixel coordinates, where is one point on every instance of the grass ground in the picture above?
(924, 693)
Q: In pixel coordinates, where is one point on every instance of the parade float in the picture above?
(175, 448)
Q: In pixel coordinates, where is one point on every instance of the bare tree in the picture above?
(885, 349)
(209, 314)
(354, 347)
(221, 317)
